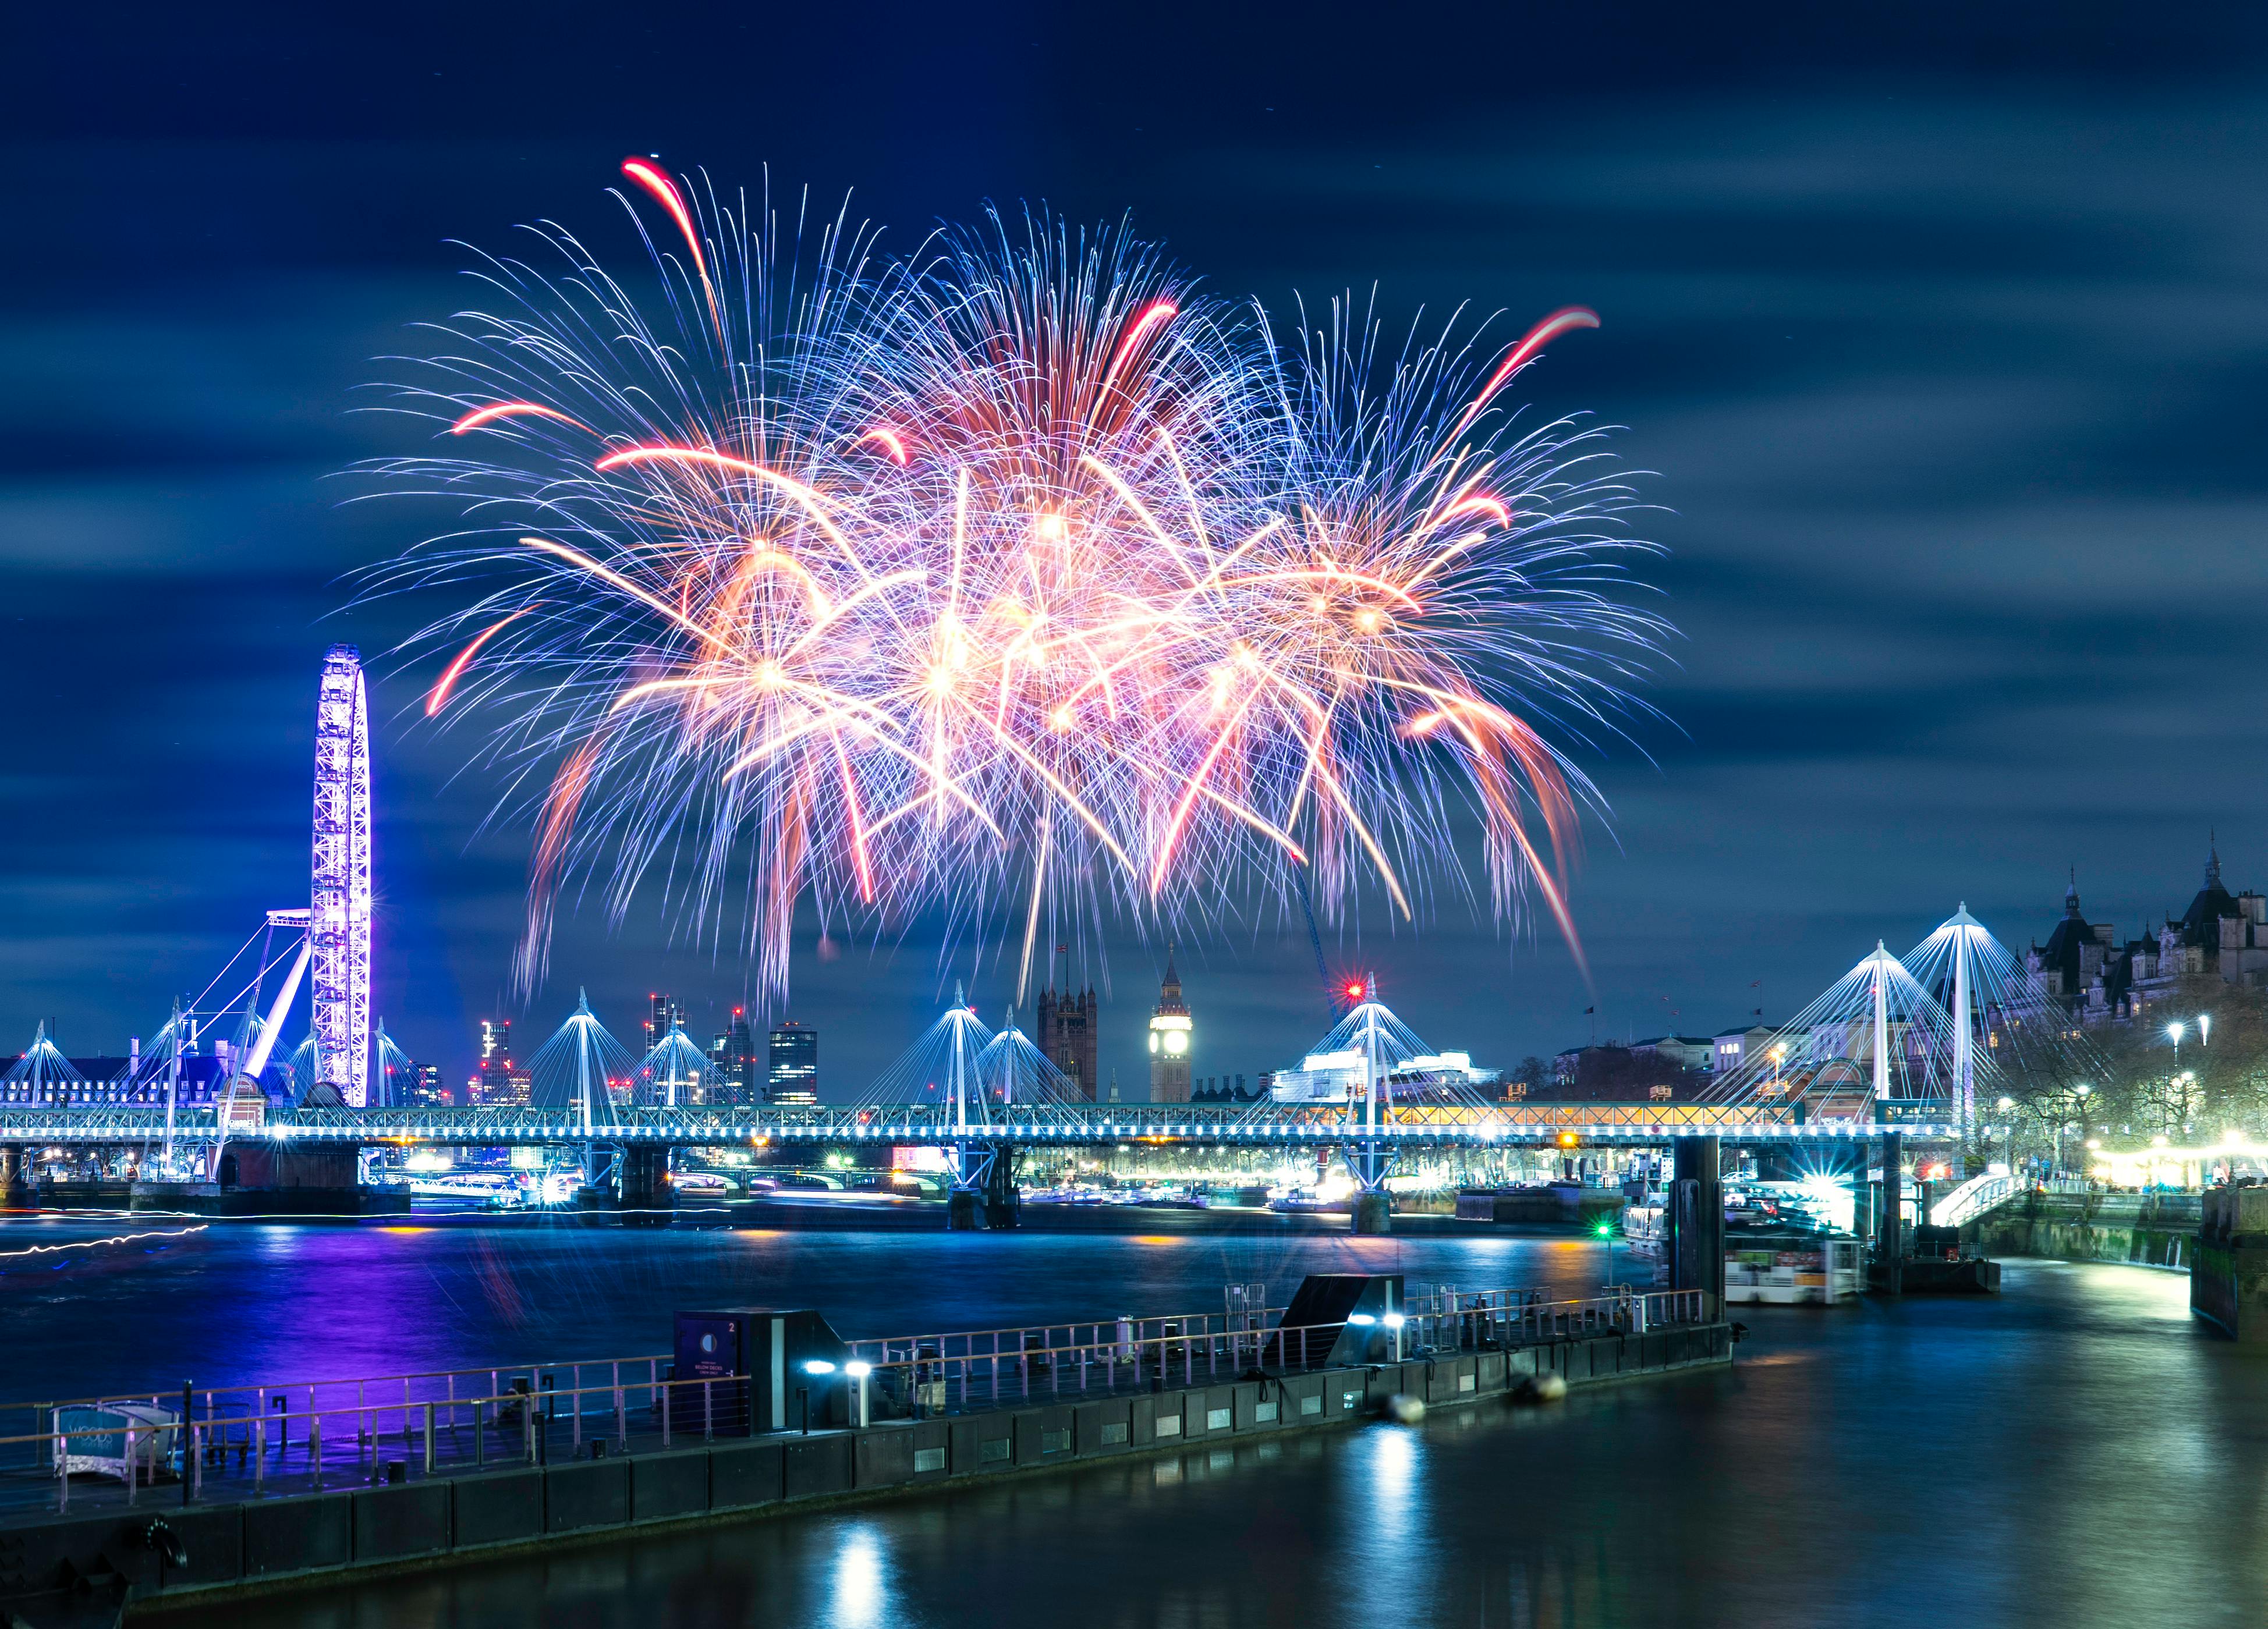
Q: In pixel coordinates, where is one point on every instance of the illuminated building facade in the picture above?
(792, 1071)
(1171, 1040)
(498, 1080)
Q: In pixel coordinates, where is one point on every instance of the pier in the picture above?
(214, 1490)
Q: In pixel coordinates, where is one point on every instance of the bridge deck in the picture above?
(1407, 1127)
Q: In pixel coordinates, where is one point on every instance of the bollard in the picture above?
(185, 1441)
(666, 1401)
(527, 1427)
(260, 1452)
(62, 1465)
(708, 1411)
(429, 1439)
(480, 1439)
(314, 1445)
(130, 1465)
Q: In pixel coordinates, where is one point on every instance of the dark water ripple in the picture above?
(2075, 1453)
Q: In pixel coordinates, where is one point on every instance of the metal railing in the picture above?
(1053, 1125)
(152, 1452)
(1973, 1198)
(246, 1440)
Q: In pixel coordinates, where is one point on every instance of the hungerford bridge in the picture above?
(1878, 1056)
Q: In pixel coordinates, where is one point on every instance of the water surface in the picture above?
(2073, 1453)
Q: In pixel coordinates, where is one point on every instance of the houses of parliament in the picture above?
(1067, 1029)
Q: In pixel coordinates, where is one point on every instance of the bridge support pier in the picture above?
(983, 1197)
(1373, 1209)
(1890, 1232)
(1003, 1203)
(1696, 1216)
(645, 1184)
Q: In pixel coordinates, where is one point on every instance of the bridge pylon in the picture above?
(1368, 1159)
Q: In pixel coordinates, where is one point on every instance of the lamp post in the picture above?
(2080, 1091)
(2175, 1029)
(2008, 1125)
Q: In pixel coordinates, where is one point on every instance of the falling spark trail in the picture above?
(1011, 577)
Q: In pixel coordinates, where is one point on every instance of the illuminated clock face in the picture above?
(1176, 1042)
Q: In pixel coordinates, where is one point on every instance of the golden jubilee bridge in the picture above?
(1375, 1086)
(1878, 1056)
(1400, 1126)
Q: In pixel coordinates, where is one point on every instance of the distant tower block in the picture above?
(339, 925)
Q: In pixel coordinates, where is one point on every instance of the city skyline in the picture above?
(494, 1073)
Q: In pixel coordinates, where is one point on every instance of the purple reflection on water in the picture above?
(236, 1303)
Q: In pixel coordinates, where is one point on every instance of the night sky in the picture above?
(1944, 328)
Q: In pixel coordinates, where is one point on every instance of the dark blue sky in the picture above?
(1945, 331)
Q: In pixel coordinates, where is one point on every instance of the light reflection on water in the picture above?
(2073, 1454)
(234, 1304)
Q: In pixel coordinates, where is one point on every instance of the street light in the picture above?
(2175, 1029)
(2205, 1029)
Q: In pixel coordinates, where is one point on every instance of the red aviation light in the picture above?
(1354, 990)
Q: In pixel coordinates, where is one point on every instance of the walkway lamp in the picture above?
(2205, 1029)
(2175, 1029)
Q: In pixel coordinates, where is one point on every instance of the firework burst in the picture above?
(1016, 576)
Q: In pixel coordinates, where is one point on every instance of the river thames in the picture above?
(2073, 1452)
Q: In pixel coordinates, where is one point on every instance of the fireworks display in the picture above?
(1016, 579)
